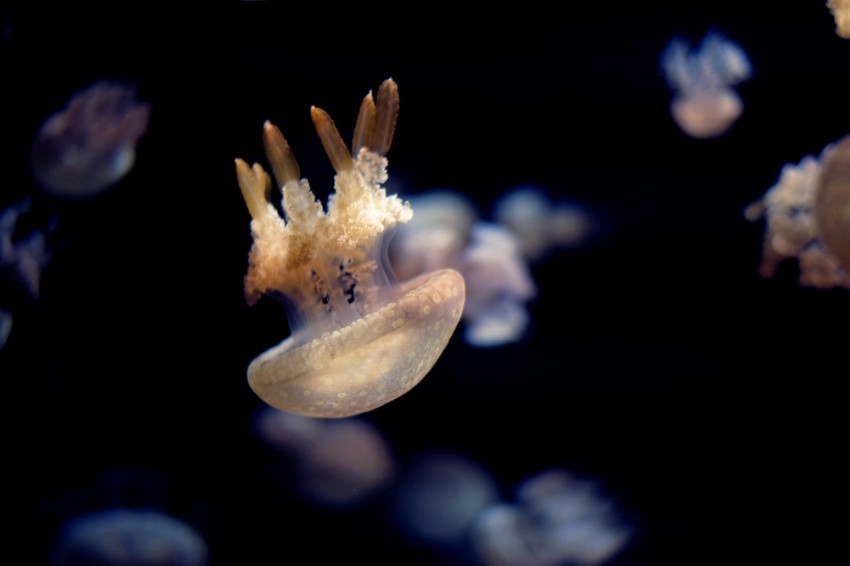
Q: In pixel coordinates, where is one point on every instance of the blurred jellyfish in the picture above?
(439, 498)
(21, 261)
(337, 463)
(444, 232)
(498, 283)
(91, 144)
(704, 105)
(557, 519)
(540, 224)
(808, 217)
(841, 12)
(129, 537)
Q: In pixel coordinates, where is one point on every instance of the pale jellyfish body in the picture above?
(704, 104)
(359, 338)
(91, 144)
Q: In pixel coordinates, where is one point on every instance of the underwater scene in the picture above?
(532, 286)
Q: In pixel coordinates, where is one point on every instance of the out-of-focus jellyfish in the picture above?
(436, 236)
(499, 286)
(335, 462)
(91, 144)
(704, 104)
(129, 537)
(21, 260)
(808, 217)
(557, 519)
(440, 497)
(359, 338)
(540, 224)
(498, 282)
(841, 12)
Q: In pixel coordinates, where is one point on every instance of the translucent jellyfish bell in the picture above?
(359, 338)
(704, 104)
(91, 144)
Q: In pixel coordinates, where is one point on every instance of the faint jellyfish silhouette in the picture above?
(704, 104)
(498, 282)
(129, 537)
(340, 463)
(439, 498)
(841, 12)
(808, 217)
(21, 261)
(436, 236)
(557, 519)
(91, 144)
(499, 286)
(540, 224)
(359, 338)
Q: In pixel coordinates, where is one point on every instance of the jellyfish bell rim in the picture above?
(368, 363)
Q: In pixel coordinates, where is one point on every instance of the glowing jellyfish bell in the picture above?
(359, 338)
(704, 104)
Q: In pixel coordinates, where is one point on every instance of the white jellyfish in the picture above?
(129, 537)
(498, 282)
(540, 224)
(91, 144)
(22, 260)
(704, 104)
(337, 463)
(440, 497)
(557, 519)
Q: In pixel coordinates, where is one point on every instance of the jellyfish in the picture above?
(841, 12)
(440, 497)
(445, 233)
(129, 537)
(359, 337)
(704, 104)
(541, 225)
(91, 144)
(21, 261)
(808, 217)
(557, 518)
(336, 462)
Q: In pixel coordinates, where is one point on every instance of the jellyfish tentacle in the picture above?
(364, 130)
(331, 140)
(284, 166)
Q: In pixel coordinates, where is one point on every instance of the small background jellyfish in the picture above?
(91, 144)
(494, 257)
(704, 104)
(22, 260)
(129, 537)
(338, 463)
(557, 519)
(439, 498)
